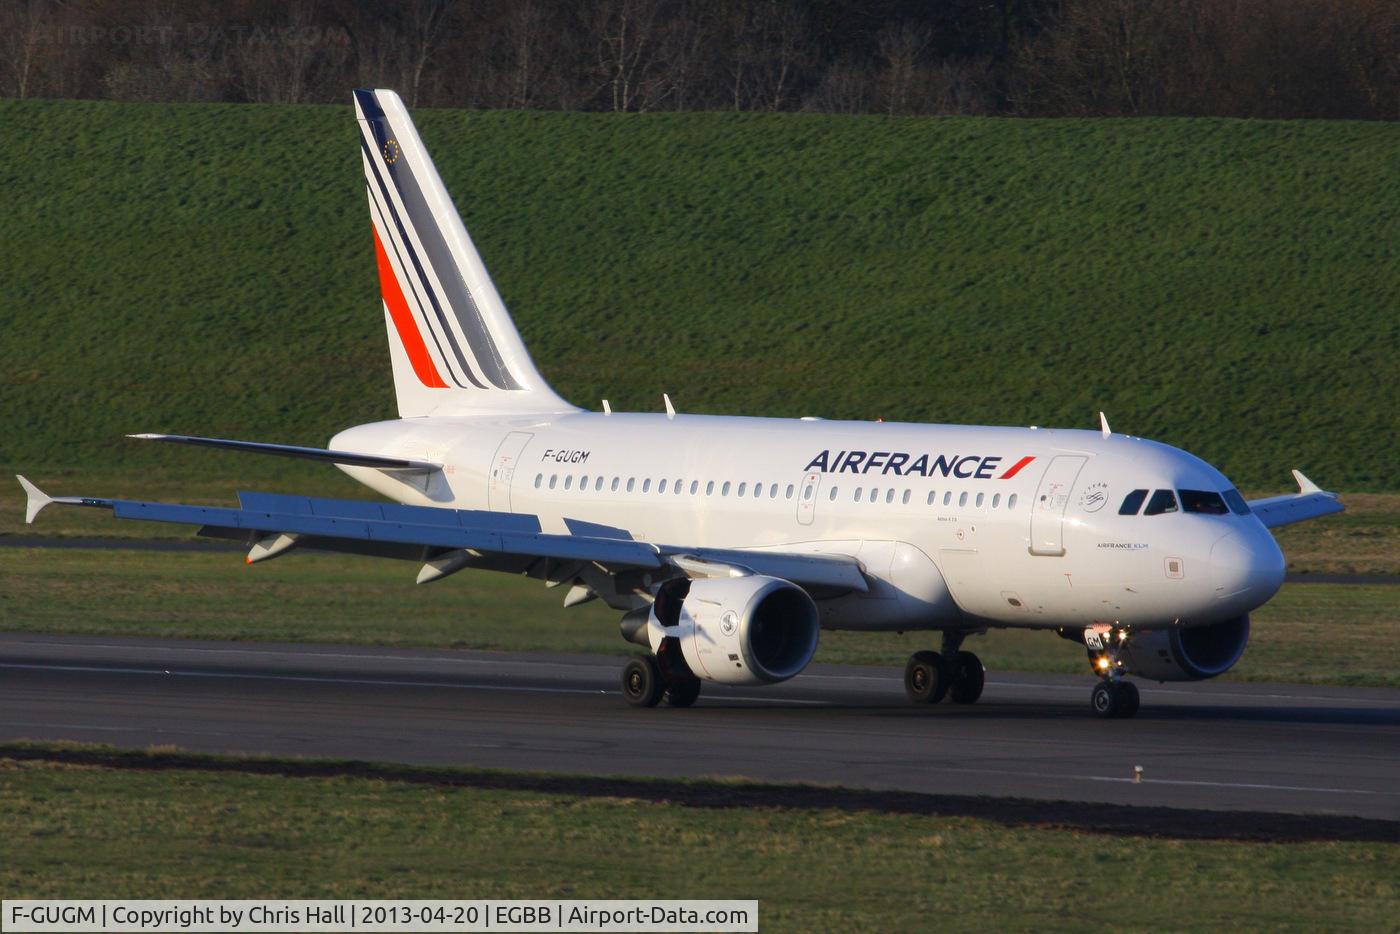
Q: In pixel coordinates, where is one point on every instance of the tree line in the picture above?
(1242, 58)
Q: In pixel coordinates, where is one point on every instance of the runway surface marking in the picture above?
(1228, 747)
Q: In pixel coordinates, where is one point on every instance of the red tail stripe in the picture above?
(409, 334)
(1016, 467)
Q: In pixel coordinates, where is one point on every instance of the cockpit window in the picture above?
(1237, 504)
(1206, 501)
(1132, 503)
(1161, 501)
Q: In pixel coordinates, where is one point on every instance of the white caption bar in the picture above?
(266, 916)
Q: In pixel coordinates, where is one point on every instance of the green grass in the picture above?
(1321, 633)
(1227, 286)
(96, 832)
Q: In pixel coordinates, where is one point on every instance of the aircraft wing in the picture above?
(273, 523)
(1310, 502)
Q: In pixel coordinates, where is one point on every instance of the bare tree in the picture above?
(25, 27)
(902, 49)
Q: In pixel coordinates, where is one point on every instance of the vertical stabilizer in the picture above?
(454, 348)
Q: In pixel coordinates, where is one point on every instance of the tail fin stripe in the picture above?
(421, 316)
(458, 296)
(403, 244)
(407, 328)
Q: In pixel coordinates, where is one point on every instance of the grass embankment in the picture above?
(209, 832)
(1319, 633)
(1228, 286)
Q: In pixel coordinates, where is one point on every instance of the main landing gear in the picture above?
(930, 676)
(648, 680)
(1112, 697)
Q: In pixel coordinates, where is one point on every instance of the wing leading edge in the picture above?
(273, 523)
(1310, 502)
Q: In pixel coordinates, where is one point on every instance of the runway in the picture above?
(1218, 746)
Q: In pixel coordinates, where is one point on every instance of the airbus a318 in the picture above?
(728, 544)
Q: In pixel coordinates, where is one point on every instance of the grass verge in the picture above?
(90, 822)
(1319, 633)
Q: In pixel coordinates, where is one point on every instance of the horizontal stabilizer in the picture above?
(1310, 502)
(350, 458)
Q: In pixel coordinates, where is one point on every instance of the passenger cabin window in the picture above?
(1237, 504)
(905, 498)
(694, 487)
(1161, 501)
(1132, 503)
(832, 495)
(789, 491)
(1205, 501)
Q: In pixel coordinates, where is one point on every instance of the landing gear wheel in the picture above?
(924, 679)
(1105, 699)
(968, 678)
(1128, 699)
(641, 682)
(683, 693)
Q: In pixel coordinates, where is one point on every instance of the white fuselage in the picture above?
(946, 525)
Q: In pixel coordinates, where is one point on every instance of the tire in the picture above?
(641, 682)
(1105, 699)
(683, 693)
(925, 682)
(969, 677)
(1128, 699)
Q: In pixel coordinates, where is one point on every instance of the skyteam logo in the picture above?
(904, 464)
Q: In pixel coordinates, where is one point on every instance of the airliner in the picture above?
(728, 544)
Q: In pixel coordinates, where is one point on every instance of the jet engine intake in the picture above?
(1190, 653)
(737, 630)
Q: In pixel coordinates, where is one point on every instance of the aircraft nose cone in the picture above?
(1246, 569)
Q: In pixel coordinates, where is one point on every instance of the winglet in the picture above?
(670, 409)
(1103, 425)
(38, 499)
(1305, 485)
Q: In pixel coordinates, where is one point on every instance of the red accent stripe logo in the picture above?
(1016, 467)
(409, 334)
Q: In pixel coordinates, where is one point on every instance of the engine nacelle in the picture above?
(1191, 653)
(737, 630)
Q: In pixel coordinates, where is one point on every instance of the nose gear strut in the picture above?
(1112, 696)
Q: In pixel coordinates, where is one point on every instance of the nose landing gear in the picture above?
(930, 676)
(1112, 697)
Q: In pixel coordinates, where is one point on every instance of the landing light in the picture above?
(1102, 662)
